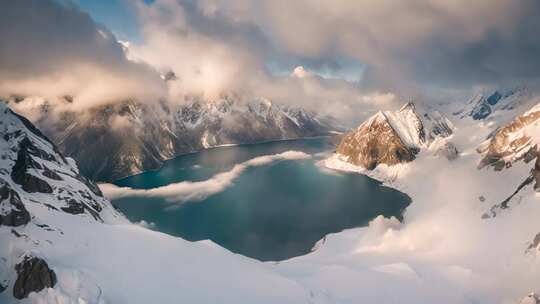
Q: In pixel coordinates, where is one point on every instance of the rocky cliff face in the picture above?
(131, 137)
(373, 143)
(393, 137)
(37, 183)
(513, 142)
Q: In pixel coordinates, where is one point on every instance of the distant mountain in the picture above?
(119, 140)
(392, 137)
(483, 106)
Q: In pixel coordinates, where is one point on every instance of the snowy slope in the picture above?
(408, 125)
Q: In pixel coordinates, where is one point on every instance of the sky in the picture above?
(114, 14)
(117, 15)
(334, 56)
(120, 17)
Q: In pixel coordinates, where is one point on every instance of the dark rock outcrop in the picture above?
(73, 207)
(33, 275)
(19, 173)
(534, 244)
(12, 210)
(50, 174)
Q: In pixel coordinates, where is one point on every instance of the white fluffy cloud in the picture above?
(195, 191)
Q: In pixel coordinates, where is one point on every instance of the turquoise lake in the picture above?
(271, 212)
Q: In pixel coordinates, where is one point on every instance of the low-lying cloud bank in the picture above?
(196, 191)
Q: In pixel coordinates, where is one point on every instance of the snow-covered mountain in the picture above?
(393, 137)
(496, 103)
(514, 144)
(481, 202)
(38, 187)
(128, 138)
(515, 141)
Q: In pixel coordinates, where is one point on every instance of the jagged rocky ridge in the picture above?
(130, 137)
(393, 137)
(37, 182)
(517, 141)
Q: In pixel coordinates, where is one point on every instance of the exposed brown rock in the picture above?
(507, 146)
(375, 142)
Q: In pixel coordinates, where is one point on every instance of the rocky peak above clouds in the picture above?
(393, 137)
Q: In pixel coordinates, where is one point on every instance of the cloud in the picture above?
(213, 55)
(52, 49)
(357, 56)
(196, 191)
(443, 43)
(145, 224)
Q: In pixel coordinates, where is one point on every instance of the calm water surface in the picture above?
(272, 212)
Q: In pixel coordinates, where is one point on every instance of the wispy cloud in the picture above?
(196, 191)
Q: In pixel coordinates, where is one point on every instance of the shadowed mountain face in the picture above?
(115, 141)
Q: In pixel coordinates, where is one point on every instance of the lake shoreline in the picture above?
(219, 147)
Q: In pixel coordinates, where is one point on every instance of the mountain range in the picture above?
(131, 137)
(67, 242)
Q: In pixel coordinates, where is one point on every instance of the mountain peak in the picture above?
(409, 106)
(392, 137)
